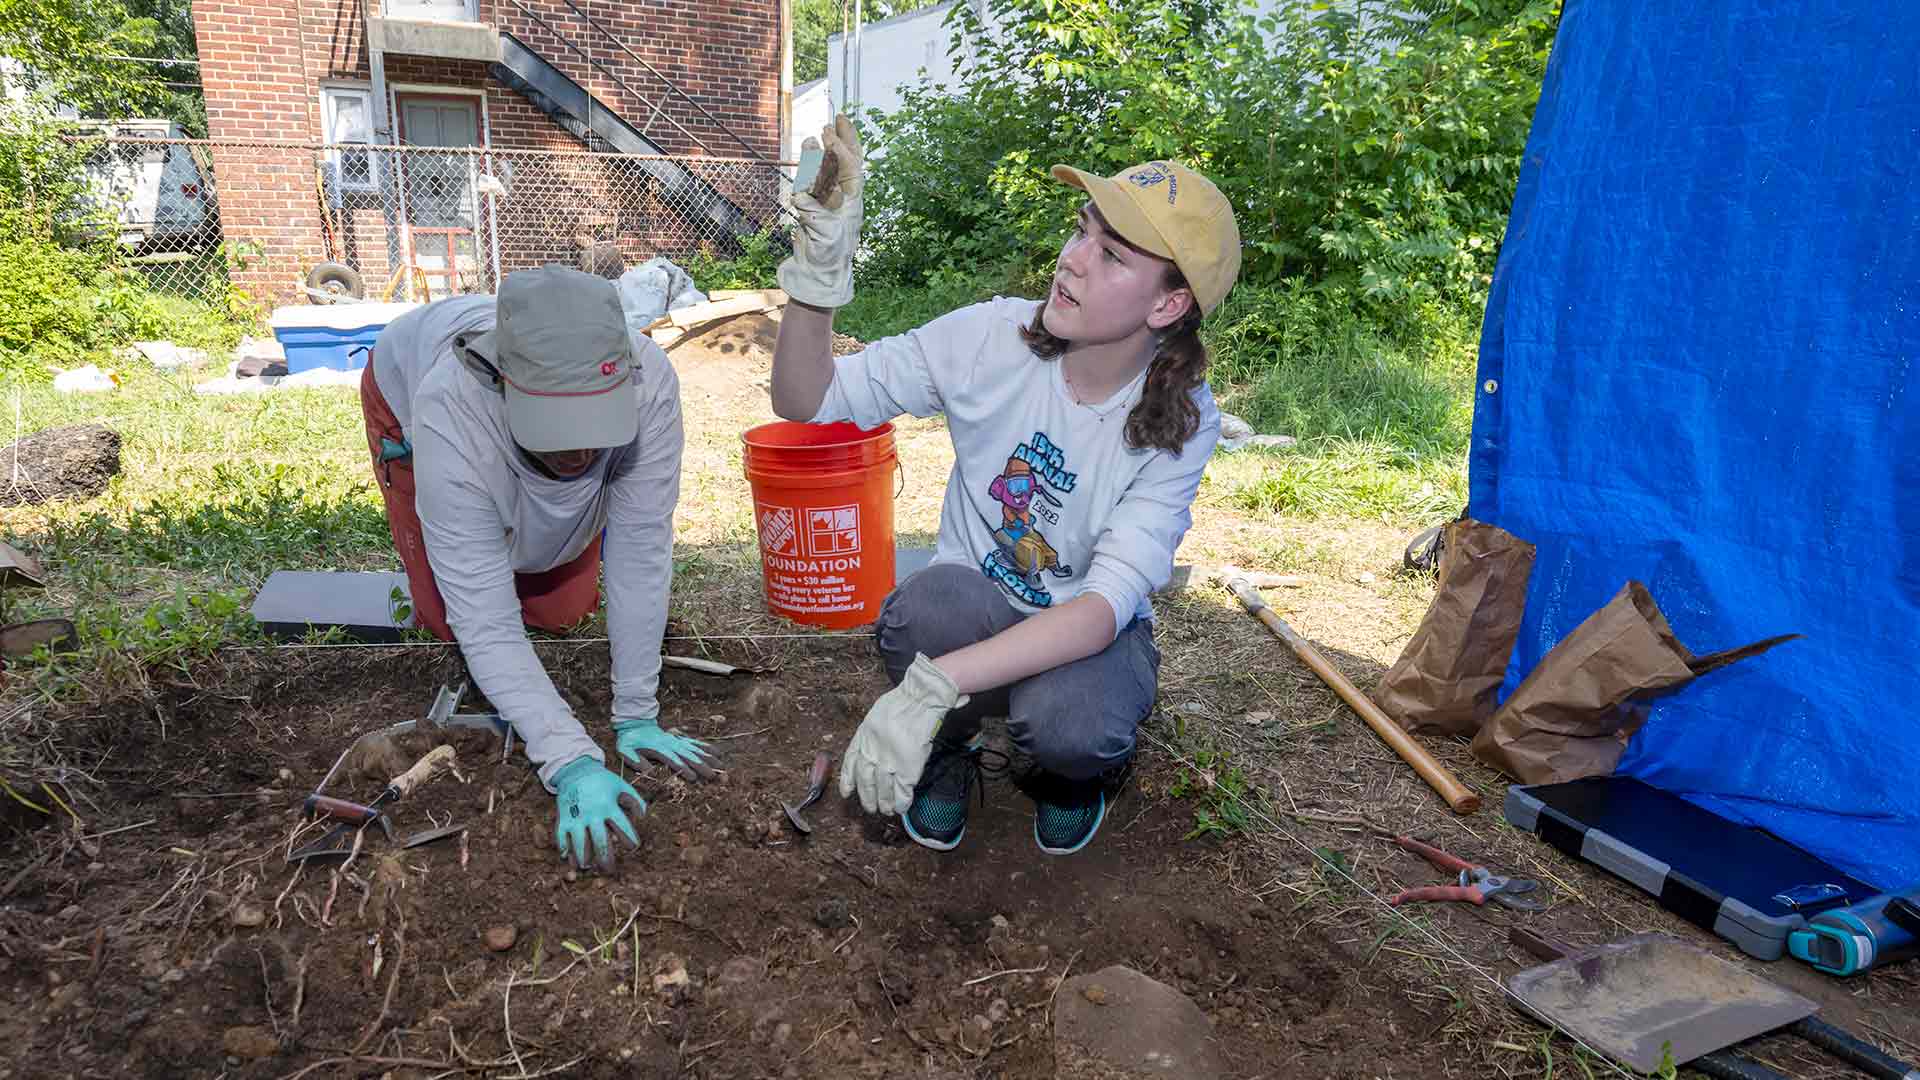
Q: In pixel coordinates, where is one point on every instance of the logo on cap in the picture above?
(1154, 173)
(608, 367)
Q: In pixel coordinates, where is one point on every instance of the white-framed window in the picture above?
(346, 113)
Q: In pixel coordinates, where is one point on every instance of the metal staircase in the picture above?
(601, 128)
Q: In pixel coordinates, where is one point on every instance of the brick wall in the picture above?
(725, 55)
(264, 62)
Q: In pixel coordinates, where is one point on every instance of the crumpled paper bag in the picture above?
(1447, 676)
(1573, 715)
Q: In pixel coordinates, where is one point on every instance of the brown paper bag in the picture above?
(1446, 677)
(1573, 715)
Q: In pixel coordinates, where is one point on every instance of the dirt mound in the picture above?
(77, 461)
(748, 338)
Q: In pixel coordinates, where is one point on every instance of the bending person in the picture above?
(511, 441)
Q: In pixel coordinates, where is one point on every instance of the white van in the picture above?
(159, 198)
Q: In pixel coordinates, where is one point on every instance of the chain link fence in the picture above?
(289, 222)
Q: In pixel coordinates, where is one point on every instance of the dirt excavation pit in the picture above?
(726, 946)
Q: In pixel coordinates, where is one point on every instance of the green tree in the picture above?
(75, 50)
(813, 21)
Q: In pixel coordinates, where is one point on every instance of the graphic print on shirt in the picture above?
(1025, 491)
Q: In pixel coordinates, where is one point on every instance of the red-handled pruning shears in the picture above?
(1477, 884)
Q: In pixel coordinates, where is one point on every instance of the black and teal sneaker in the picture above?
(938, 817)
(1067, 813)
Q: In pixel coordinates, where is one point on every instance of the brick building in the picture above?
(490, 83)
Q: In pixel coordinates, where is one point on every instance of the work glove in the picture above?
(643, 739)
(890, 748)
(820, 270)
(589, 796)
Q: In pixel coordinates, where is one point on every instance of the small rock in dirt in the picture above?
(250, 1042)
(833, 915)
(774, 831)
(1366, 577)
(782, 1032)
(500, 938)
(671, 976)
(570, 876)
(380, 758)
(681, 839)
(998, 1010)
(286, 775)
(742, 970)
(95, 867)
(767, 703)
(174, 976)
(248, 916)
(71, 911)
(695, 856)
(1138, 1027)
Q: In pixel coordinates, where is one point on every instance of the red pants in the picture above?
(550, 600)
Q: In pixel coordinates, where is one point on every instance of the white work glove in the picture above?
(820, 270)
(891, 746)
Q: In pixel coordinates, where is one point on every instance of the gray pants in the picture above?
(1076, 720)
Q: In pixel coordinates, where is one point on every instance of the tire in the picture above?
(337, 278)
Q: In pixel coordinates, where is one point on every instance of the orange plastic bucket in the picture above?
(823, 505)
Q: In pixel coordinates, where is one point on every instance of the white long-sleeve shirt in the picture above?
(1111, 515)
(487, 514)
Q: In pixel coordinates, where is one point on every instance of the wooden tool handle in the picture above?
(327, 806)
(1435, 774)
(435, 760)
(817, 776)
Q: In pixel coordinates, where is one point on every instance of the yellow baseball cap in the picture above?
(1173, 212)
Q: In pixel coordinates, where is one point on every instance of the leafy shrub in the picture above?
(1362, 145)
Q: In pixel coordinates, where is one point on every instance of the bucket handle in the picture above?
(900, 474)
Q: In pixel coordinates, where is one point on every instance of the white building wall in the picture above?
(812, 110)
(891, 56)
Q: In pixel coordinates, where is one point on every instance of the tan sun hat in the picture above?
(559, 344)
(1173, 212)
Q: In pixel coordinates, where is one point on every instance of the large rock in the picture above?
(72, 462)
(1117, 1022)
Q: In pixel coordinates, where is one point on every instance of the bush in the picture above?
(67, 296)
(1362, 148)
(753, 268)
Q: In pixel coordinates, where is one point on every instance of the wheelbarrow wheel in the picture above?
(336, 279)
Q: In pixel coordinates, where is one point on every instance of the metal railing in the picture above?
(198, 218)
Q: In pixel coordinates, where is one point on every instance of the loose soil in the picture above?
(725, 946)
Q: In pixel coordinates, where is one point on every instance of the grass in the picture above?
(215, 493)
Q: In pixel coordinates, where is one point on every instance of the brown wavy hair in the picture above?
(1165, 417)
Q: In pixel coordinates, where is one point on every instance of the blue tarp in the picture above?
(1697, 370)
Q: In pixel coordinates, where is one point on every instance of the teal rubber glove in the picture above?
(643, 739)
(589, 796)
